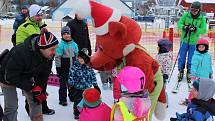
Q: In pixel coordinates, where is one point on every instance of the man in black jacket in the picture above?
(27, 66)
(80, 34)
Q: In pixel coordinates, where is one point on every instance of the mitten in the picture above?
(38, 96)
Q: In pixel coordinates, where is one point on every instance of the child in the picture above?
(81, 77)
(133, 100)
(202, 106)
(92, 108)
(164, 58)
(65, 54)
(201, 64)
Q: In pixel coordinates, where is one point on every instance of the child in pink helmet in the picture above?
(130, 82)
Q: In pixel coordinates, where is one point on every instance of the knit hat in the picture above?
(84, 54)
(91, 97)
(196, 85)
(47, 40)
(101, 14)
(35, 10)
(65, 29)
(165, 45)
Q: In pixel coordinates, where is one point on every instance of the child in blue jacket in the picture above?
(66, 52)
(202, 105)
(81, 77)
(201, 64)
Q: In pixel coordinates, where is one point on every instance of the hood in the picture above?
(206, 89)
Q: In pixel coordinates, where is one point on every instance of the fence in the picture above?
(151, 33)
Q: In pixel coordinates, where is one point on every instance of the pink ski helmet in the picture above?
(132, 78)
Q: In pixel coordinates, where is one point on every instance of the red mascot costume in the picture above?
(118, 40)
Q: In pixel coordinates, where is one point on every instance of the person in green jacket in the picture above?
(33, 25)
(192, 24)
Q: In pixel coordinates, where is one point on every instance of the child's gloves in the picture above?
(38, 96)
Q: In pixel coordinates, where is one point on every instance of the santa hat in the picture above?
(91, 97)
(101, 14)
(47, 40)
(35, 10)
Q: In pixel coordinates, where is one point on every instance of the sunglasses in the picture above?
(194, 10)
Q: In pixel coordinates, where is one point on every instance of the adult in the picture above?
(20, 18)
(27, 66)
(32, 26)
(192, 24)
(80, 34)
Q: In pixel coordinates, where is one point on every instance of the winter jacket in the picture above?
(201, 65)
(99, 113)
(198, 110)
(80, 34)
(81, 76)
(27, 29)
(24, 66)
(20, 18)
(66, 51)
(199, 23)
(165, 62)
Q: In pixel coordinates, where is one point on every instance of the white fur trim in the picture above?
(81, 7)
(160, 111)
(129, 48)
(102, 30)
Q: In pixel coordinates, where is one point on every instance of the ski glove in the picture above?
(193, 28)
(38, 95)
(186, 27)
(97, 87)
(211, 76)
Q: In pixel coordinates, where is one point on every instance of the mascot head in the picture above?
(116, 35)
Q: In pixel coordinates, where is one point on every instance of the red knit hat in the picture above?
(101, 14)
(47, 40)
(91, 97)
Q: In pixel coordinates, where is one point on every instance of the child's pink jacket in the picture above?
(100, 113)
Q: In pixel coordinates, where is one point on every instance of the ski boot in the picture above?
(189, 80)
(180, 77)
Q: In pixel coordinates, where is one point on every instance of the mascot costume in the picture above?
(118, 38)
